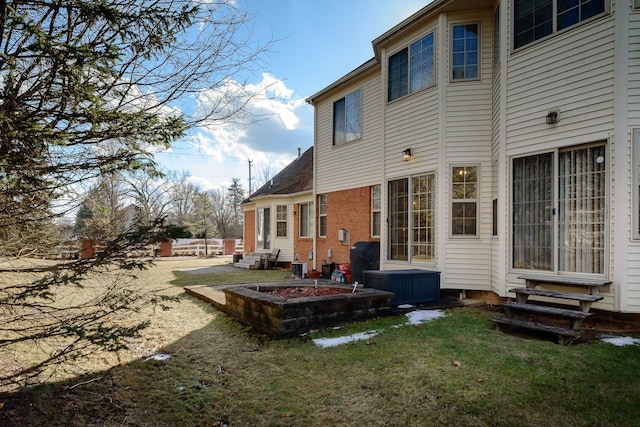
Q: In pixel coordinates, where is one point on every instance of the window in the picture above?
(306, 220)
(412, 68)
(346, 118)
(534, 20)
(563, 191)
(264, 228)
(411, 225)
(464, 203)
(636, 4)
(376, 211)
(464, 52)
(322, 214)
(494, 214)
(281, 221)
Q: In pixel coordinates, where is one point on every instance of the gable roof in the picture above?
(295, 178)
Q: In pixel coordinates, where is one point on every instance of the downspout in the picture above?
(619, 173)
(443, 175)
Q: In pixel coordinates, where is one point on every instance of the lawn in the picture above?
(455, 370)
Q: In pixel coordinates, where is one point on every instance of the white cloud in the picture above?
(273, 119)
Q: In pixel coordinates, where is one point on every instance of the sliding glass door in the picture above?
(561, 194)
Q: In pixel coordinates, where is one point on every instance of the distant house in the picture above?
(280, 214)
(485, 139)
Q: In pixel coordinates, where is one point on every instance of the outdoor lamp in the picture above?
(406, 155)
(552, 117)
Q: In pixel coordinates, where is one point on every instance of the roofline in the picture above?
(408, 24)
(403, 26)
(277, 196)
(373, 62)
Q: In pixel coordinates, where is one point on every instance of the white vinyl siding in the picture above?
(354, 162)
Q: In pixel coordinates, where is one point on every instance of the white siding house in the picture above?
(524, 139)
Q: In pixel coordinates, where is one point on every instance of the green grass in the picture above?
(402, 377)
(227, 277)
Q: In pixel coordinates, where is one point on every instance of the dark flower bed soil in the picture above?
(306, 291)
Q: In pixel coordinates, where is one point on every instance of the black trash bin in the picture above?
(364, 256)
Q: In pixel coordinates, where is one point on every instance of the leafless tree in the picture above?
(88, 91)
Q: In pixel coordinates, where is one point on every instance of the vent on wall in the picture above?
(343, 236)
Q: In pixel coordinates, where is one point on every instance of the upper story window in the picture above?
(322, 215)
(412, 68)
(464, 52)
(346, 118)
(281, 221)
(534, 20)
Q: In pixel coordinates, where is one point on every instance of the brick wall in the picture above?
(249, 238)
(350, 209)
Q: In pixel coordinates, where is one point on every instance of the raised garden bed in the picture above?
(271, 309)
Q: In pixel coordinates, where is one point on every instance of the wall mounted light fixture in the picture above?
(406, 155)
(552, 117)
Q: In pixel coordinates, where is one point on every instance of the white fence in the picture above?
(181, 247)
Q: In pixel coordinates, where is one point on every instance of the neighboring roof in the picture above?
(295, 178)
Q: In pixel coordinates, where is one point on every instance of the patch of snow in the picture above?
(405, 306)
(333, 342)
(420, 316)
(158, 356)
(621, 341)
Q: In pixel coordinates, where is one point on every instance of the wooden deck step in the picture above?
(565, 335)
(563, 280)
(543, 309)
(556, 294)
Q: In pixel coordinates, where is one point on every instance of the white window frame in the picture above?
(281, 218)
(409, 89)
(408, 226)
(307, 223)
(475, 200)
(322, 215)
(376, 210)
(554, 23)
(350, 122)
(452, 77)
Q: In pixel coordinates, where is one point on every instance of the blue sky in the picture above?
(318, 41)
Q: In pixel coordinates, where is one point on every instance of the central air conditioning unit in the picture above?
(299, 269)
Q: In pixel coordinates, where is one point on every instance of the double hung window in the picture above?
(376, 211)
(322, 215)
(281, 221)
(306, 220)
(346, 118)
(412, 68)
(464, 203)
(464, 52)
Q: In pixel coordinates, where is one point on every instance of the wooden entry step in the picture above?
(565, 335)
(527, 314)
(575, 317)
(585, 299)
(593, 285)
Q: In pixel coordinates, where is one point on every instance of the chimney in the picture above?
(299, 152)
